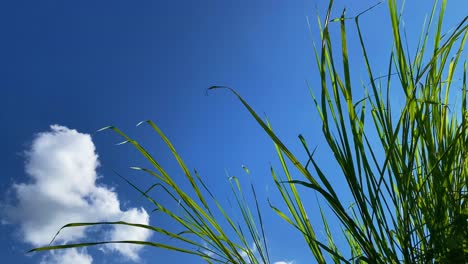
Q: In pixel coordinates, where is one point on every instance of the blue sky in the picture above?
(83, 65)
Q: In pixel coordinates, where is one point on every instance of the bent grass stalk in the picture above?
(410, 207)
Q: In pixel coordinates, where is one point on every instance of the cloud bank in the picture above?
(61, 168)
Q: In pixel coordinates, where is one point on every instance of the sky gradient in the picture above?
(71, 67)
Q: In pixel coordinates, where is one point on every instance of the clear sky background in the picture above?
(83, 65)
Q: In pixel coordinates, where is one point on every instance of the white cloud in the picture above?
(284, 262)
(68, 256)
(253, 250)
(133, 215)
(61, 165)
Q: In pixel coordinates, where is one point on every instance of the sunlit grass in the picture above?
(409, 206)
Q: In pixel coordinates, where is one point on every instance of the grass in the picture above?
(410, 206)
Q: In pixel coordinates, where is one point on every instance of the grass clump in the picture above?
(408, 207)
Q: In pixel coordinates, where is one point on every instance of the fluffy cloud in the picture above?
(138, 216)
(284, 262)
(61, 165)
(68, 256)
